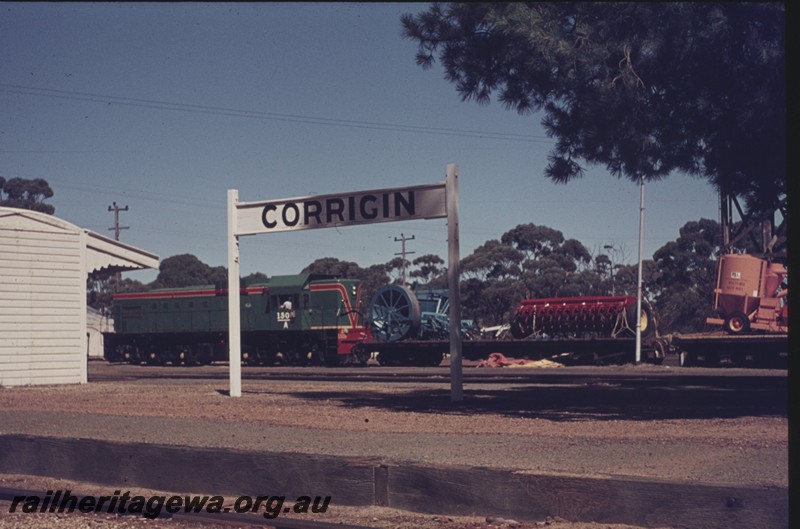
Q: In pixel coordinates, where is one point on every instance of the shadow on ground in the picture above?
(620, 400)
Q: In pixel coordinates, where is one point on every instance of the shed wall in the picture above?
(42, 304)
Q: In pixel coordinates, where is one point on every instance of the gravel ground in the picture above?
(368, 407)
(409, 421)
(406, 422)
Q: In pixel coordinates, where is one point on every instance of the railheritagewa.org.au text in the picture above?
(63, 501)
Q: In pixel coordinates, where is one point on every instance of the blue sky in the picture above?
(163, 107)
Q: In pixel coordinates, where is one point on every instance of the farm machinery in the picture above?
(412, 328)
(601, 316)
(750, 299)
(400, 313)
(749, 296)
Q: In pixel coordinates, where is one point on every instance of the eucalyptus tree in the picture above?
(683, 282)
(26, 194)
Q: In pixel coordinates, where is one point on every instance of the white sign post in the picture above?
(332, 211)
(234, 314)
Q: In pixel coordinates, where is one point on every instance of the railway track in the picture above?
(227, 517)
(100, 371)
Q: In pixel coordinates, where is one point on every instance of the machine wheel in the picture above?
(736, 323)
(646, 321)
(519, 330)
(659, 353)
(395, 313)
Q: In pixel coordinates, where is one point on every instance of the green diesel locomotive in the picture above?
(307, 319)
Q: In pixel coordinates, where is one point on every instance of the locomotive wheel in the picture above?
(315, 355)
(154, 359)
(250, 357)
(395, 313)
(736, 323)
(132, 356)
(186, 355)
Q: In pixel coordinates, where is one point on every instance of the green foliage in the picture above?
(602, 264)
(333, 266)
(100, 292)
(684, 286)
(430, 269)
(493, 261)
(395, 269)
(26, 194)
(256, 277)
(528, 261)
(492, 302)
(533, 241)
(187, 270)
(642, 88)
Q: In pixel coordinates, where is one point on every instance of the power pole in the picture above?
(116, 229)
(403, 253)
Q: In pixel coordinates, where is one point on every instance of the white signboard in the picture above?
(329, 211)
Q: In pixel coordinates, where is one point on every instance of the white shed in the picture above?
(97, 323)
(44, 265)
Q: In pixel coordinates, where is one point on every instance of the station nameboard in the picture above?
(329, 211)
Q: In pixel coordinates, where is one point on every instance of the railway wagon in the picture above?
(306, 319)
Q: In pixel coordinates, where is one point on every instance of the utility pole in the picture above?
(116, 229)
(403, 253)
(639, 278)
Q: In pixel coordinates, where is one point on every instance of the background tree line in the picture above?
(528, 261)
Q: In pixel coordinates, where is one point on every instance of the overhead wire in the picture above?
(272, 116)
(245, 113)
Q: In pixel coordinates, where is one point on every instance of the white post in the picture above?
(234, 316)
(639, 281)
(453, 274)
